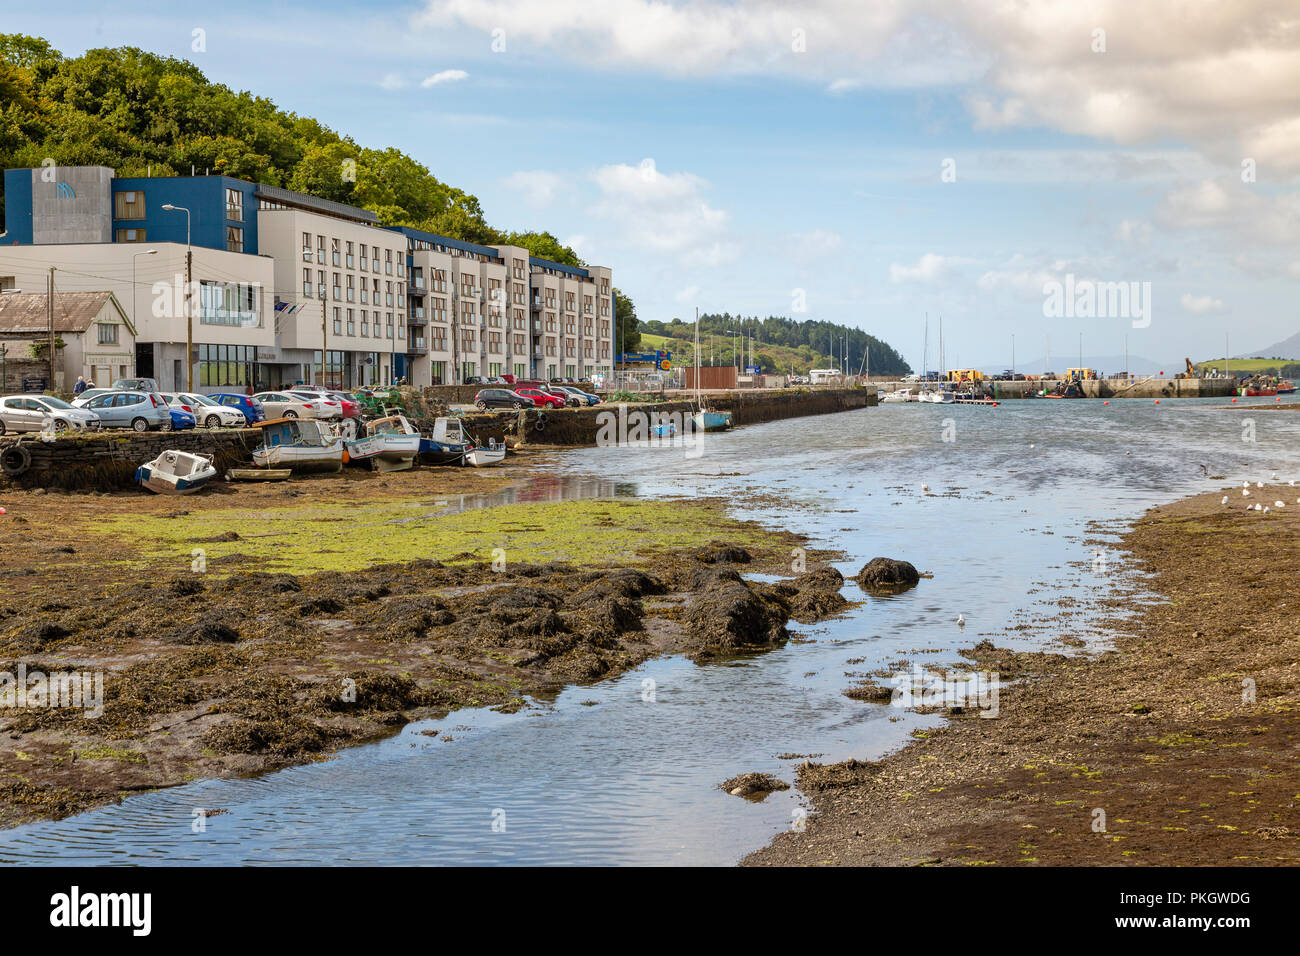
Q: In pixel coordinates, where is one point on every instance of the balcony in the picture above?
(419, 345)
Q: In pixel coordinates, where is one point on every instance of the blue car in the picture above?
(182, 419)
(250, 406)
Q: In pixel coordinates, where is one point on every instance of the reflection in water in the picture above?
(613, 774)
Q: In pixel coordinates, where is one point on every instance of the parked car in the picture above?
(584, 398)
(502, 398)
(286, 405)
(181, 419)
(348, 404)
(542, 398)
(81, 400)
(248, 405)
(27, 413)
(563, 394)
(509, 379)
(324, 403)
(207, 411)
(131, 409)
(137, 384)
(475, 380)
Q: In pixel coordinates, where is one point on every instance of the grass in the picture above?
(349, 536)
(1247, 365)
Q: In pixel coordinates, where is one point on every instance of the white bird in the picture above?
(1259, 507)
(1279, 504)
(1259, 484)
(961, 621)
(1266, 511)
(1291, 482)
(1224, 501)
(1274, 478)
(925, 488)
(1245, 492)
(1245, 484)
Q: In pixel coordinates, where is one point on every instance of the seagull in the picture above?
(961, 621)
(1266, 511)
(1245, 484)
(1274, 478)
(1224, 501)
(1259, 484)
(924, 489)
(1259, 507)
(1245, 492)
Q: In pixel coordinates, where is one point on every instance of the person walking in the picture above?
(80, 386)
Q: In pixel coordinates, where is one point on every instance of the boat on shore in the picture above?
(175, 473)
(708, 420)
(299, 444)
(481, 456)
(448, 444)
(258, 474)
(389, 444)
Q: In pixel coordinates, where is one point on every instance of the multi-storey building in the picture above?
(290, 288)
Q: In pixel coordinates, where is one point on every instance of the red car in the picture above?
(541, 398)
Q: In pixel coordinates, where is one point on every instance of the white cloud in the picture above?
(392, 81)
(1131, 230)
(1200, 304)
(1220, 75)
(927, 269)
(688, 295)
(445, 76)
(663, 213)
(539, 187)
(811, 246)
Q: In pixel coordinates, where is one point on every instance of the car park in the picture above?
(137, 384)
(349, 406)
(584, 398)
(140, 411)
(29, 413)
(323, 403)
(502, 398)
(181, 419)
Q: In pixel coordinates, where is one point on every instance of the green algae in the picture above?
(349, 536)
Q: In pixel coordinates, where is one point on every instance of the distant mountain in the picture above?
(1286, 349)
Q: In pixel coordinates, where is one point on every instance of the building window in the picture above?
(130, 235)
(229, 303)
(338, 322)
(352, 325)
(225, 366)
(129, 204)
(107, 333)
(234, 205)
(234, 239)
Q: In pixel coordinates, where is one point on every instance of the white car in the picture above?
(30, 413)
(206, 411)
(327, 405)
(290, 405)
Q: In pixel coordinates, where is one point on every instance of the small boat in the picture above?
(448, 444)
(389, 444)
(175, 473)
(710, 421)
(898, 396)
(938, 396)
(258, 474)
(299, 444)
(480, 456)
(667, 430)
(968, 399)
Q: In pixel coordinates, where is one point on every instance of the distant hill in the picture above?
(1286, 349)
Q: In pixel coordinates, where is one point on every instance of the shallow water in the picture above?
(626, 771)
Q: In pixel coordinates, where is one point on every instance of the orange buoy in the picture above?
(1157, 401)
(1105, 403)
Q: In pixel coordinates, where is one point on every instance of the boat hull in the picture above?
(164, 484)
(712, 421)
(385, 452)
(483, 457)
(434, 452)
(302, 458)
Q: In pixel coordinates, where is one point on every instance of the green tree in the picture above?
(627, 330)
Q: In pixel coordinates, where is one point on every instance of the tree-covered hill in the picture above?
(136, 111)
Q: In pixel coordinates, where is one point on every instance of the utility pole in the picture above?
(49, 314)
(189, 311)
(324, 342)
(1013, 355)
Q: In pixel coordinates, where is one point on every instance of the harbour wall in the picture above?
(107, 461)
(1151, 387)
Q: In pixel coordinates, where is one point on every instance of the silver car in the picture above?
(138, 410)
(29, 413)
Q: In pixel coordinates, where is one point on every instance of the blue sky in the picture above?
(729, 156)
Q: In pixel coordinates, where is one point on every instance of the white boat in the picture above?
(448, 444)
(898, 395)
(706, 419)
(301, 444)
(484, 455)
(938, 396)
(175, 473)
(389, 444)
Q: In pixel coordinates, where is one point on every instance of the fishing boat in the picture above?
(300, 444)
(448, 444)
(480, 456)
(175, 473)
(389, 444)
(706, 419)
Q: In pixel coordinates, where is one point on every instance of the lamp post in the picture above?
(189, 312)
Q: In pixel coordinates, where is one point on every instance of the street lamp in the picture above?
(189, 312)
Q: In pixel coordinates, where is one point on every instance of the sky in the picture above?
(991, 162)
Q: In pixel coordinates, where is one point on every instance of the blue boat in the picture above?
(448, 444)
(707, 421)
(175, 473)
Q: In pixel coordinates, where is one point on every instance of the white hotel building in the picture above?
(291, 288)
